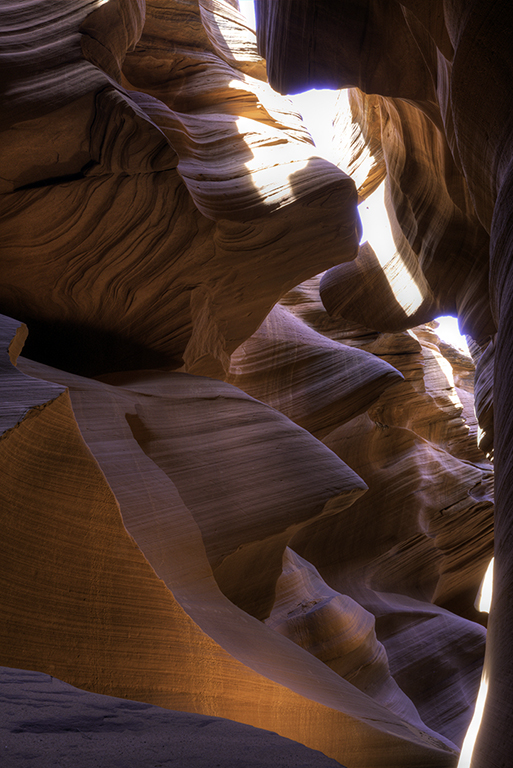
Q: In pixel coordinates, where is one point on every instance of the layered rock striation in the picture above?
(242, 475)
(430, 107)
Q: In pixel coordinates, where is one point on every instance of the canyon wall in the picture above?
(431, 112)
(241, 474)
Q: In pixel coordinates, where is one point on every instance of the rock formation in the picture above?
(431, 104)
(242, 475)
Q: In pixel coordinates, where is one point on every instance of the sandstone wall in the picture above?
(431, 107)
(240, 477)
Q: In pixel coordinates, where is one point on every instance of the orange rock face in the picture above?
(241, 475)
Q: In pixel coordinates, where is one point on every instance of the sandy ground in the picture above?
(45, 723)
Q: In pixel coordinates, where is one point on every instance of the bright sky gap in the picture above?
(316, 107)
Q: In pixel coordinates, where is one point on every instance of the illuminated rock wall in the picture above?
(228, 487)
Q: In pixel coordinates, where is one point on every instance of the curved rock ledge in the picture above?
(138, 614)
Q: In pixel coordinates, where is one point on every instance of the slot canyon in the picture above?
(245, 483)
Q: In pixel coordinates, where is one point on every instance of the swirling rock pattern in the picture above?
(415, 437)
(337, 630)
(190, 170)
(443, 67)
(317, 382)
(139, 614)
(230, 487)
(431, 215)
(423, 422)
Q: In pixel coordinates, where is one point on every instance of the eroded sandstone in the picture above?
(231, 487)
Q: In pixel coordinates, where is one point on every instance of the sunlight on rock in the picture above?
(470, 739)
(483, 604)
(449, 331)
(485, 594)
(377, 232)
(241, 476)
